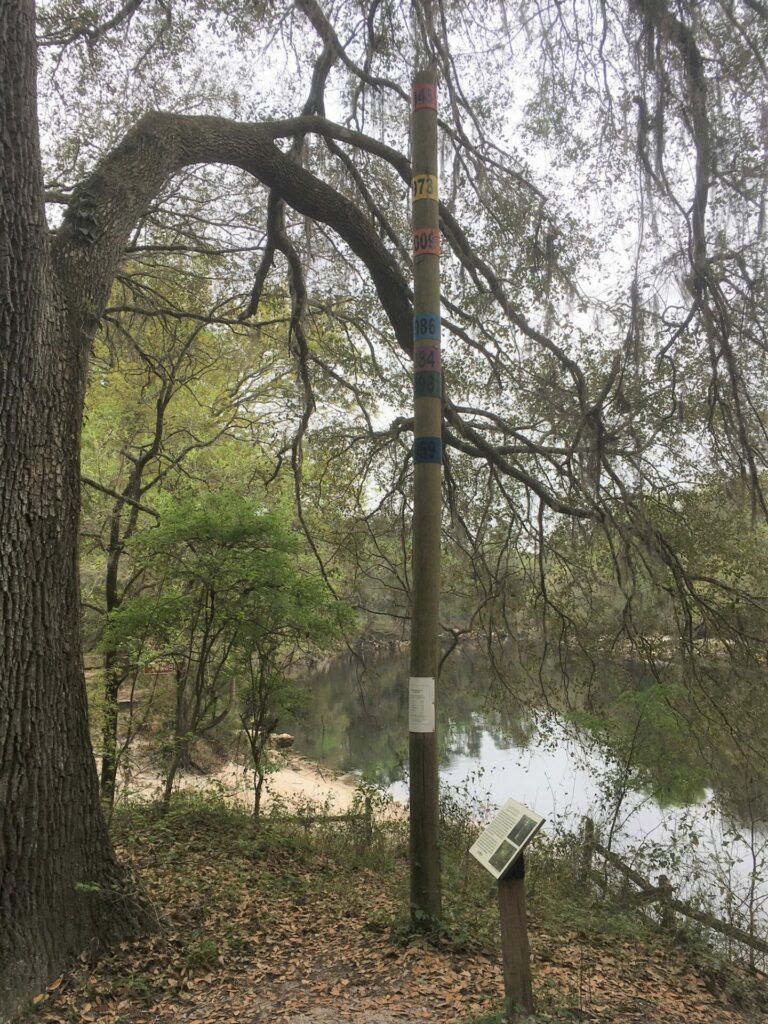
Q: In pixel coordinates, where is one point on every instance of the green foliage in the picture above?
(230, 602)
(203, 953)
(223, 566)
(222, 549)
(648, 742)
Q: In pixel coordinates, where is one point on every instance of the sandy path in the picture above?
(296, 780)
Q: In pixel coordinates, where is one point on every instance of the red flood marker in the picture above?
(426, 242)
(426, 357)
(425, 96)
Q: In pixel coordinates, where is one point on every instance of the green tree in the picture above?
(165, 388)
(230, 602)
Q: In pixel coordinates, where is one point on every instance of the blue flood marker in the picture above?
(426, 327)
(428, 449)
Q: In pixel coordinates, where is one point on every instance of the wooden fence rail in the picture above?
(305, 820)
(662, 893)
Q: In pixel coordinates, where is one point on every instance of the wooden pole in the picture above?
(515, 952)
(427, 504)
(587, 849)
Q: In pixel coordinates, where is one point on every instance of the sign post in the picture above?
(515, 952)
(500, 850)
(427, 506)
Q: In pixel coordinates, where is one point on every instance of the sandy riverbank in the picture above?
(294, 781)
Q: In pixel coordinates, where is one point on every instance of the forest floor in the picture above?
(287, 922)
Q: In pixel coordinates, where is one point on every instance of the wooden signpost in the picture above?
(500, 850)
(515, 952)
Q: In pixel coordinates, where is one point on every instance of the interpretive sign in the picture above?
(499, 846)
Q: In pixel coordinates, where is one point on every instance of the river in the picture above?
(355, 719)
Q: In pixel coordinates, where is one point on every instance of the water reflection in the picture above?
(355, 717)
(636, 770)
(626, 732)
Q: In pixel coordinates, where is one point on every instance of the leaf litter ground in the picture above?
(272, 925)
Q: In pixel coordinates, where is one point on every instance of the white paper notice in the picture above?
(421, 704)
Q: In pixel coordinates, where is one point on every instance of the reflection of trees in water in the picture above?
(681, 726)
(743, 797)
(464, 739)
(671, 733)
(357, 718)
(464, 736)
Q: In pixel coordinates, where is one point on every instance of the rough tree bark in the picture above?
(61, 889)
(60, 886)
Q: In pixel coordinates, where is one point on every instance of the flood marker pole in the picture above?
(427, 504)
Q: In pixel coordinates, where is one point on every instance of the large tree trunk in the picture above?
(60, 887)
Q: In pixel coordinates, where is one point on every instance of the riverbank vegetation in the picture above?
(210, 593)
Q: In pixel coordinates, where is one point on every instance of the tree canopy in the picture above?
(602, 211)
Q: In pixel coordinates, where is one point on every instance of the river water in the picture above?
(355, 719)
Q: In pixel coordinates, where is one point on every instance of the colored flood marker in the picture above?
(424, 186)
(425, 96)
(427, 384)
(426, 242)
(427, 327)
(426, 357)
(428, 449)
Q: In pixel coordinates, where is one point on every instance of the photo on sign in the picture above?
(503, 855)
(500, 844)
(522, 830)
